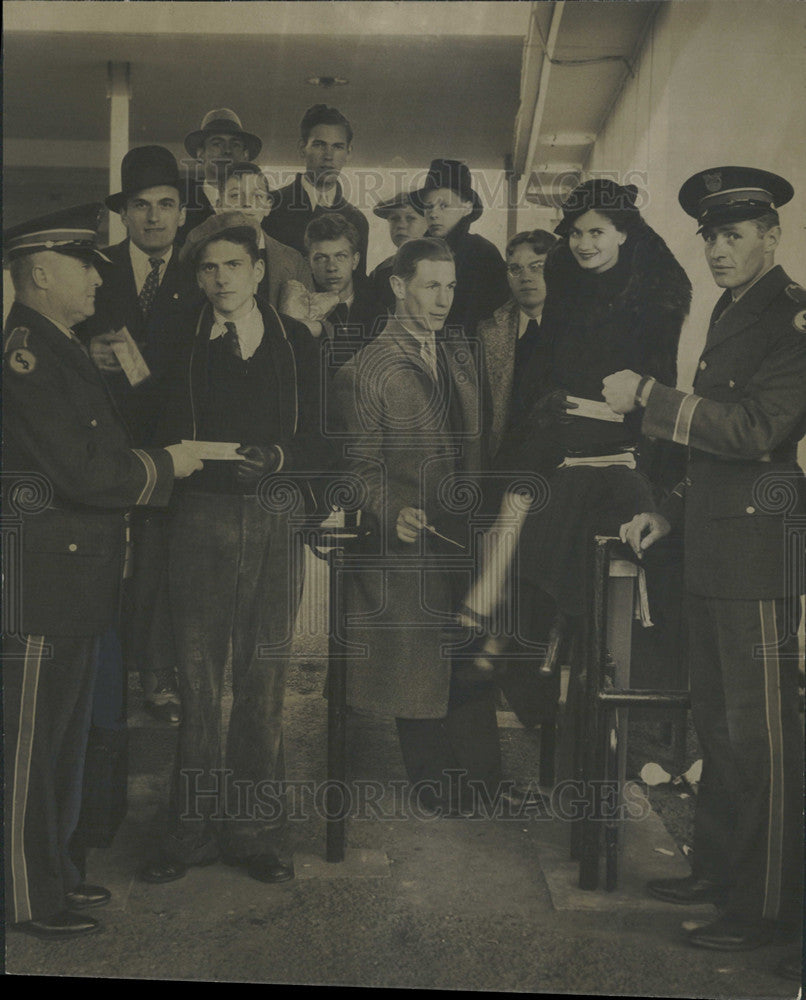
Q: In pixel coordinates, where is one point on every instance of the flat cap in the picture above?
(732, 194)
(70, 231)
(217, 227)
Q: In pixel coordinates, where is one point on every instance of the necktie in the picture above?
(340, 314)
(231, 341)
(527, 343)
(150, 286)
(429, 355)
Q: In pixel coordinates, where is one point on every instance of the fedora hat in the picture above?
(222, 121)
(453, 175)
(385, 208)
(144, 167)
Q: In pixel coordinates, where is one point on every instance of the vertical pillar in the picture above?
(512, 197)
(118, 92)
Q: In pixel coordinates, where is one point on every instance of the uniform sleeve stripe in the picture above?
(22, 774)
(151, 475)
(682, 425)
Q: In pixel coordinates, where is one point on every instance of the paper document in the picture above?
(594, 410)
(130, 359)
(215, 451)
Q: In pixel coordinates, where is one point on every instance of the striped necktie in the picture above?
(150, 286)
(231, 341)
(429, 355)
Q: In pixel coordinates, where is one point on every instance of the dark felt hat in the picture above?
(70, 231)
(222, 121)
(596, 195)
(453, 175)
(732, 194)
(217, 227)
(145, 167)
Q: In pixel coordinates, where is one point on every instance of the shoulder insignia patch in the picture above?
(799, 321)
(17, 338)
(796, 292)
(21, 360)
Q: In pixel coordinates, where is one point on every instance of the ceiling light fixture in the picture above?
(327, 81)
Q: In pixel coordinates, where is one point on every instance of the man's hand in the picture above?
(184, 460)
(410, 522)
(619, 391)
(554, 407)
(644, 530)
(258, 461)
(101, 351)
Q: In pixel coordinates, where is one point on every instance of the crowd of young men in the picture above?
(234, 338)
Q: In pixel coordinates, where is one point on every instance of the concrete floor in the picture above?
(454, 904)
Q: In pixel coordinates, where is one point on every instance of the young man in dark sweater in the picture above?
(244, 377)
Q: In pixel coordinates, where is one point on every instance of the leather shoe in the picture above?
(730, 934)
(688, 891)
(162, 869)
(166, 712)
(85, 896)
(269, 868)
(59, 926)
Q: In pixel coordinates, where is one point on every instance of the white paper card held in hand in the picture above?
(130, 359)
(215, 451)
(593, 409)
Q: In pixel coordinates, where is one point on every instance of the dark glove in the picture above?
(259, 461)
(553, 408)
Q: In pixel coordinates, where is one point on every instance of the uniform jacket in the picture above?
(62, 433)
(116, 306)
(292, 211)
(297, 370)
(405, 456)
(282, 264)
(741, 424)
(481, 279)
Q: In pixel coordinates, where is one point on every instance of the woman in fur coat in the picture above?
(616, 299)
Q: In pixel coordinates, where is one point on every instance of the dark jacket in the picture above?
(69, 475)
(297, 368)
(593, 325)
(282, 264)
(366, 318)
(197, 204)
(292, 211)
(744, 490)
(481, 279)
(116, 306)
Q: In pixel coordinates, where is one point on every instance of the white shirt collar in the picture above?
(319, 196)
(523, 321)
(249, 327)
(141, 267)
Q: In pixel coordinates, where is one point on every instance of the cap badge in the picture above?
(713, 181)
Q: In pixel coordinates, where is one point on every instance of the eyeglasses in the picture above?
(515, 270)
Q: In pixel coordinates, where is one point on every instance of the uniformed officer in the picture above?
(69, 477)
(743, 561)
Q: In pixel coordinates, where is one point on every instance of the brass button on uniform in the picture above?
(703, 365)
(732, 384)
(93, 422)
(750, 510)
(72, 547)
